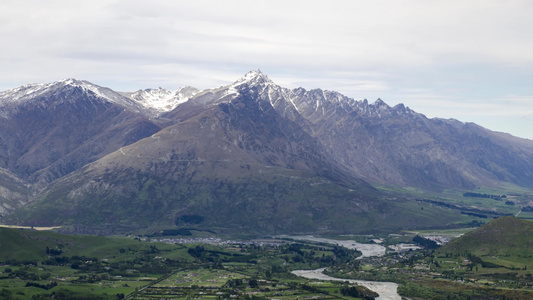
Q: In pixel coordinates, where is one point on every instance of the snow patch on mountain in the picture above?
(28, 92)
(225, 94)
(163, 100)
(254, 77)
(18, 95)
(103, 92)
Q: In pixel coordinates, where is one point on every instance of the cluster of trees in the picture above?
(340, 254)
(359, 292)
(489, 196)
(240, 283)
(50, 251)
(65, 260)
(213, 256)
(27, 275)
(527, 208)
(69, 294)
(145, 263)
(426, 243)
(424, 292)
(474, 214)
(42, 286)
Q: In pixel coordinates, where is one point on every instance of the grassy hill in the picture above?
(506, 241)
(502, 236)
(31, 245)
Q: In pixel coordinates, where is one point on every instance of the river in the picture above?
(367, 250)
(386, 290)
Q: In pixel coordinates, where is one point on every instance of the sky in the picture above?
(468, 60)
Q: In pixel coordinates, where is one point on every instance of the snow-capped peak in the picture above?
(29, 92)
(227, 93)
(254, 77)
(74, 82)
(380, 104)
(102, 92)
(18, 95)
(161, 99)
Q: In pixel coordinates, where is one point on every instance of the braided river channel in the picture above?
(386, 290)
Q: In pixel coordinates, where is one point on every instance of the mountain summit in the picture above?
(254, 78)
(27, 94)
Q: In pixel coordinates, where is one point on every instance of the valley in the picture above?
(47, 264)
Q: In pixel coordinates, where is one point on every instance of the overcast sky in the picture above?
(468, 60)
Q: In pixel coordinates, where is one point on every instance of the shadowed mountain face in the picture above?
(222, 163)
(397, 146)
(62, 128)
(251, 156)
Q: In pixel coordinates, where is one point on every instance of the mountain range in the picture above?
(251, 156)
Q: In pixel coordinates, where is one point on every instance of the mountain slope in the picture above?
(237, 165)
(48, 131)
(250, 156)
(397, 146)
(13, 192)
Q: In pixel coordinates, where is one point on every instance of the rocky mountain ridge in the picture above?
(260, 155)
(390, 145)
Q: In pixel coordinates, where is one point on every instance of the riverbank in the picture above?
(386, 290)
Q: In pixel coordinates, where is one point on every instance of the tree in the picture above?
(253, 283)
